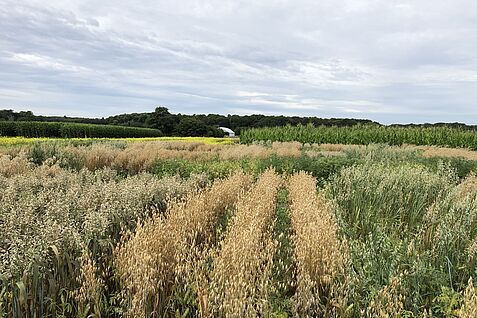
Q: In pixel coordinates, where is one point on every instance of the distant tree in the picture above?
(213, 131)
(163, 120)
(25, 116)
(190, 126)
(161, 111)
(7, 114)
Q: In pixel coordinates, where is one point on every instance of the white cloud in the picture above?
(250, 94)
(45, 62)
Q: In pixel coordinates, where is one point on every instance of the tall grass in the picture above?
(390, 195)
(50, 217)
(10, 166)
(241, 276)
(320, 256)
(86, 232)
(469, 307)
(411, 233)
(151, 262)
(283, 271)
(141, 156)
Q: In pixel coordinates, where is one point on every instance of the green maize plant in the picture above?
(365, 135)
(72, 130)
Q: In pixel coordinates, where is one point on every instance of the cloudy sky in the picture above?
(390, 61)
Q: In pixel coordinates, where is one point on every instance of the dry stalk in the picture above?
(240, 280)
(91, 285)
(150, 261)
(319, 252)
(469, 308)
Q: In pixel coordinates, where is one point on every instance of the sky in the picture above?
(385, 60)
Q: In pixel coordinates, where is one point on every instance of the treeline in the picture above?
(177, 124)
(366, 134)
(10, 115)
(72, 130)
(188, 125)
(207, 125)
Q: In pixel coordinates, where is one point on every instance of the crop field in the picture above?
(34, 129)
(365, 135)
(213, 228)
(13, 141)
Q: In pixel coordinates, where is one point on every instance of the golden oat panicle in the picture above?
(319, 253)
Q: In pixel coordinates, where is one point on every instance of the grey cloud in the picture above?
(393, 61)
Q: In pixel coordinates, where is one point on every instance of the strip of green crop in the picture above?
(283, 265)
(364, 135)
(72, 130)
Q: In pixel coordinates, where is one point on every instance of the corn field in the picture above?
(72, 130)
(365, 135)
(164, 229)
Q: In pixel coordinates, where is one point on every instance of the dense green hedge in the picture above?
(364, 135)
(72, 130)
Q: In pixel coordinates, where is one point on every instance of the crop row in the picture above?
(153, 263)
(319, 255)
(364, 135)
(241, 275)
(72, 130)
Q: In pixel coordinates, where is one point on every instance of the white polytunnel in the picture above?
(229, 131)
